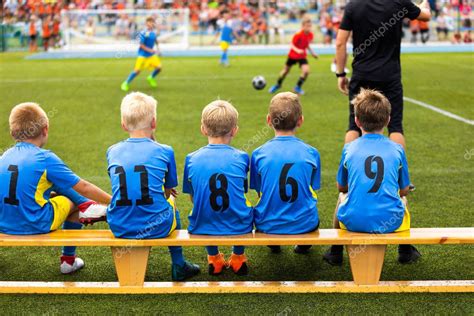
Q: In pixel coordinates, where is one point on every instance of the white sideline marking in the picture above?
(440, 111)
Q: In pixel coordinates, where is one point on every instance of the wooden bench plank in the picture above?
(427, 236)
(235, 287)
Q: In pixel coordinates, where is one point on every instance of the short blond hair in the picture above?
(285, 110)
(138, 110)
(306, 18)
(27, 121)
(372, 109)
(219, 118)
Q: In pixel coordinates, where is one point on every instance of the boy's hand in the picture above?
(316, 56)
(174, 193)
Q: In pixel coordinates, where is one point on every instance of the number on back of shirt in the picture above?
(378, 175)
(286, 181)
(144, 187)
(219, 198)
(11, 199)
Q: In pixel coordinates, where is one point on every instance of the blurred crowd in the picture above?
(255, 21)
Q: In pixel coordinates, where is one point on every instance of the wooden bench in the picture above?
(366, 254)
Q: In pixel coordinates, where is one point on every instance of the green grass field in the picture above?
(83, 98)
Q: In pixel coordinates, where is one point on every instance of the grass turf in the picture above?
(82, 98)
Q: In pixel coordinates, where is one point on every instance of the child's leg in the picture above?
(238, 250)
(176, 252)
(238, 261)
(224, 57)
(334, 254)
(215, 260)
(155, 72)
(283, 74)
(132, 76)
(72, 220)
(212, 250)
(304, 75)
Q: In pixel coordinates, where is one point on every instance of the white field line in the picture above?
(440, 111)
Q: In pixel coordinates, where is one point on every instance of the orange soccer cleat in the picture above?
(238, 263)
(216, 264)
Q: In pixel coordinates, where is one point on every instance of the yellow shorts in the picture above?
(405, 223)
(147, 63)
(61, 208)
(224, 45)
(175, 221)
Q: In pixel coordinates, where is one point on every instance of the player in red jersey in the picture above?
(297, 55)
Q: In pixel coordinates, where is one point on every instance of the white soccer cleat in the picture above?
(68, 266)
(92, 212)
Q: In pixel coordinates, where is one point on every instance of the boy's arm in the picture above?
(312, 52)
(403, 175)
(255, 183)
(343, 174)
(187, 185)
(92, 192)
(425, 11)
(147, 49)
(341, 59)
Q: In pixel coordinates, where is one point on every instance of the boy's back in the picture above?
(216, 177)
(140, 169)
(27, 174)
(375, 169)
(286, 172)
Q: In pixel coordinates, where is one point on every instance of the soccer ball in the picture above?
(259, 82)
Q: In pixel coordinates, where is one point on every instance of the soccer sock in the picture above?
(131, 76)
(155, 72)
(300, 82)
(280, 80)
(224, 57)
(177, 255)
(72, 195)
(212, 250)
(238, 250)
(70, 250)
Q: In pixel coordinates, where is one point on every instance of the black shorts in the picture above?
(290, 62)
(33, 37)
(393, 90)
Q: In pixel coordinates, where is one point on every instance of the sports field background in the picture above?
(83, 99)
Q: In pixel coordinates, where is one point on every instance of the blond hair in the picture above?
(372, 109)
(219, 118)
(27, 121)
(285, 110)
(306, 18)
(138, 110)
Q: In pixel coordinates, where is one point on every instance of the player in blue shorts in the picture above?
(38, 192)
(286, 172)
(227, 35)
(215, 177)
(143, 177)
(147, 56)
(373, 179)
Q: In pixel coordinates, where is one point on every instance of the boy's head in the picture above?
(226, 14)
(219, 119)
(285, 112)
(28, 121)
(306, 23)
(138, 112)
(150, 22)
(372, 110)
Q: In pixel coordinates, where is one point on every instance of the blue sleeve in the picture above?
(316, 177)
(255, 181)
(58, 173)
(403, 176)
(187, 185)
(342, 173)
(171, 177)
(247, 166)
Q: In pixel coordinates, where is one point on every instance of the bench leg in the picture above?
(130, 264)
(366, 263)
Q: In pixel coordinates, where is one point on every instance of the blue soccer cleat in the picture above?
(181, 273)
(274, 88)
(298, 90)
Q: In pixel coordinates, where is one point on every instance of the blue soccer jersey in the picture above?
(286, 172)
(216, 177)
(375, 169)
(226, 33)
(140, 169)
(147, 38)
(27, 176)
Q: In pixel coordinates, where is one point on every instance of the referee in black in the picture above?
(376, 27)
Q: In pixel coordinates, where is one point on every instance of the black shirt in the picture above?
(376, 27)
